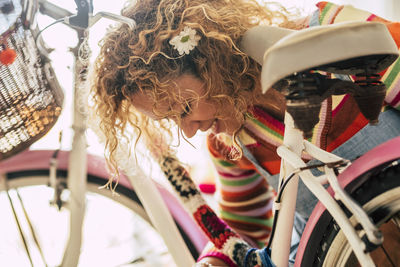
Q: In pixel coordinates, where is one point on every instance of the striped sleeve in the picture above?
(245, 199)
(331, 13)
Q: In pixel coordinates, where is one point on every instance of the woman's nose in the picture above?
(190, 128)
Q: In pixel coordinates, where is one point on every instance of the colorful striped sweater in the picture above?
(245, 198)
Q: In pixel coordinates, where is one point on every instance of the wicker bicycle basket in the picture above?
(30, 96)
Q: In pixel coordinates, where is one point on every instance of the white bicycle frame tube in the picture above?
(161, 218)
(77, 169)
(290, 152)
(293, 139)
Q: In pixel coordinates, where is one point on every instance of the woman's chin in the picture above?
(220, 127)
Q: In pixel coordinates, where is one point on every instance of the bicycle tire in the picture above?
(378, 191)
(127, 197)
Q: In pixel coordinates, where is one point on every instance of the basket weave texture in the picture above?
(30, 98)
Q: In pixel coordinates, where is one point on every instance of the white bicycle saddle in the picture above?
(344, 48)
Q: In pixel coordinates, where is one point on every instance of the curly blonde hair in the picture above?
(143, 60)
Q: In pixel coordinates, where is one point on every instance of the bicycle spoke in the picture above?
(19, 227)
(387, 256)
(31, 228)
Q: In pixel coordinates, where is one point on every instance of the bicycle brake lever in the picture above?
(84, 19)
(81, 19)
(93, 19)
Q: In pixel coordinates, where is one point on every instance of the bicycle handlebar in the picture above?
(84, 18)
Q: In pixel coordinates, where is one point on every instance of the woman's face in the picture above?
(199, 112)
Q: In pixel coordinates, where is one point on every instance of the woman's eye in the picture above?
(186, 111)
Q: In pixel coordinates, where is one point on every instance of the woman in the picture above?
(182, 65)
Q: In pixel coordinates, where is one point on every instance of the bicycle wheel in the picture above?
(116, 230)
(378, 191)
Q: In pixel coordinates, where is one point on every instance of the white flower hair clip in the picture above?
(185, 41)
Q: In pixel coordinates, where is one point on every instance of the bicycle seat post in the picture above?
(293, 139)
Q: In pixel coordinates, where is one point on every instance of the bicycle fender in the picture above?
(376, 157)
(96, 166)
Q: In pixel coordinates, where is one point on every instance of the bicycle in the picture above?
(303, 91)
(358, 176)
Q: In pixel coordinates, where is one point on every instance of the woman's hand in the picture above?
(210, 261)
